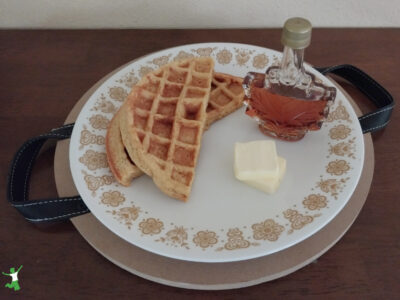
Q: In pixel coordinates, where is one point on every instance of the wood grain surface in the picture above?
(44, 73)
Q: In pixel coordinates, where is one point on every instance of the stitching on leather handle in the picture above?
(375, 113)
(58, 217)
(376, 127)
(46, 202)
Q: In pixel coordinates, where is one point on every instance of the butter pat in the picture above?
(256, 160)
(269, 186)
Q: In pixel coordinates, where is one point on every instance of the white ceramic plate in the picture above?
(224, 220)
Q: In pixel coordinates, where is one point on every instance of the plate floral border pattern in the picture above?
(328, 186)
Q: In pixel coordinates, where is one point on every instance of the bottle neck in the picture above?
(291, 68)
(292, 58)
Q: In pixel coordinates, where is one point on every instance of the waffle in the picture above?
(163, 120)
(121, 166)
(226, 96)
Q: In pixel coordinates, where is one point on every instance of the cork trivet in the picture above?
(208, 276)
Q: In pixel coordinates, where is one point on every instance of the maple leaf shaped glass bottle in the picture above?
(287, 101)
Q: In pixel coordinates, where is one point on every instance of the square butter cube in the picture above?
(256, 160)
(270, 186)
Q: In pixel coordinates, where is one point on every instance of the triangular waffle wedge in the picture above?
(226, 96)
(163, 120)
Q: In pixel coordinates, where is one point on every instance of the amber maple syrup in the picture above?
(287, 101)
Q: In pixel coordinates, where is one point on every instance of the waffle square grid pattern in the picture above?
(168, 108)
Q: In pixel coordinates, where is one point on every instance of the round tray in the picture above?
(210, 276)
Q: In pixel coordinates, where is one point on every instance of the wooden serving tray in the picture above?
(208, 276)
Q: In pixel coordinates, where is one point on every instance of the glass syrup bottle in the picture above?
(287, 101)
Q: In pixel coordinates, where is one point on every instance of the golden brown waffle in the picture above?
(121, 166)
(163, 120)
(226, 96)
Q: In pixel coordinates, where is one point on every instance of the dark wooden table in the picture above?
(44, 73)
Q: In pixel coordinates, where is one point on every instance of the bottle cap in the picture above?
(296, 33)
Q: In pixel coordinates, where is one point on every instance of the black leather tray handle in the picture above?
(43, 210)
(384, 102)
